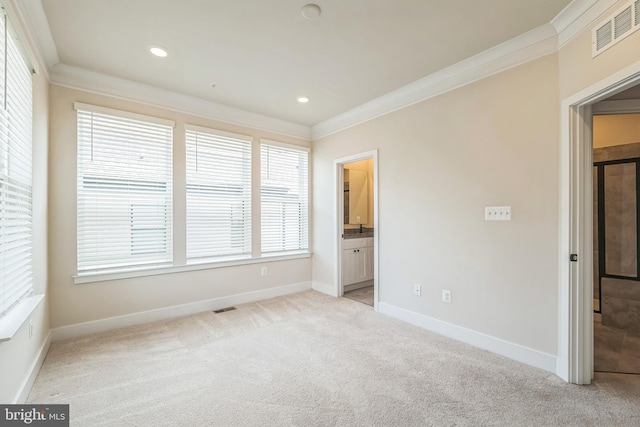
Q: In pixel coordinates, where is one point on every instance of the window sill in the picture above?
(155, 271)
(10, 323)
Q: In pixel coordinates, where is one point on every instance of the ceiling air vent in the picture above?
(622, 22)
(616, 27)
(603, 36)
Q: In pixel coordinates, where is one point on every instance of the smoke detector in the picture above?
(311, 11)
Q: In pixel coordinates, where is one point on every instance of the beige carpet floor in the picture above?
(312, 360)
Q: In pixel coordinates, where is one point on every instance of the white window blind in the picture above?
(284, 197)
(124, 190)
(15, 172)
(218, 194)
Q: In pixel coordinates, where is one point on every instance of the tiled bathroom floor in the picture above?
(363, 295)
(615, 350)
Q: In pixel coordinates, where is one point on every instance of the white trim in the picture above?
(64, 75)
(325, 289)
(29, 29)
(216, 132)
(102, 325)
(27, 384)
(102, 84)
(15, 318)
(578, 16)
(79, 106)
(546, 39)
(155, 271)
(34, 16)
(499, 346)
(285, 145)
(626, 106)
(575, 319)
(534, 44)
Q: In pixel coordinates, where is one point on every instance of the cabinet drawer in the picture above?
(355, 243)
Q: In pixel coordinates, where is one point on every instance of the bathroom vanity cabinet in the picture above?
(357, 260)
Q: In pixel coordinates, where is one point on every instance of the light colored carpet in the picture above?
(311, 360)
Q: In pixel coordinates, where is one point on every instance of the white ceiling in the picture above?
(262, 54)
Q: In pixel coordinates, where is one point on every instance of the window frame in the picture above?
(180, 262)
(16, 179)
(142, 263)
(301, 149)
(246, 252)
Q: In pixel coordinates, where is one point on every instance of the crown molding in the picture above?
(35, 19)
(32, 27)
(546, 39)
(534, 44)
(89, 81)
(578, 16)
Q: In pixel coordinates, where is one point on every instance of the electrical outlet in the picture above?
(417, 290)
(446, 296)
(30, 328)
(263, 271)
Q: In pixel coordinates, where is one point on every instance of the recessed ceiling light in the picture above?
(158, 51)
(303, 99)
(311, 11)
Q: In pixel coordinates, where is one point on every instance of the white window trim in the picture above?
(192, 265)
(301, 148)
(287, 145)
(236, 136)
(124, 114)
(16, 317)
(103, 277)
(214, 131)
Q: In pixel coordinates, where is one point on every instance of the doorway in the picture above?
(357, 228)
(575, 360)
(616, 166)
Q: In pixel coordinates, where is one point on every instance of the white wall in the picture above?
(74, 304)
(19, 356)
(490, 143)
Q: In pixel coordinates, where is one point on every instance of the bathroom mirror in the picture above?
(356, 197)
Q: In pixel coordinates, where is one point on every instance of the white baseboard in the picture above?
(325, 289)
(80, 329)
(508, 349)
(27, 384)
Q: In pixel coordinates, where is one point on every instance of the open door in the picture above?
(357, 227)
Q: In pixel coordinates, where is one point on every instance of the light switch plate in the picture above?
(497, 213)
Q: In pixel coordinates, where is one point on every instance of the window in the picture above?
(16, 280)
(284, 197)
(124, 190)
(218, 194)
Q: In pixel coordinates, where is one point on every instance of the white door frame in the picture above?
(574, 362)
(339, 220)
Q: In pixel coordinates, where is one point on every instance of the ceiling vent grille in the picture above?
(623, 22)
(616, 27)
(603, 36)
